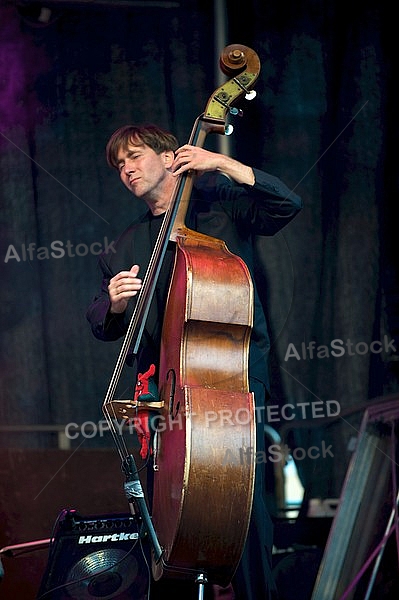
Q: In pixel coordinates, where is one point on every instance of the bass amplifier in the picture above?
(99, 556)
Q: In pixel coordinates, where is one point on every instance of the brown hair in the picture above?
(150, 135)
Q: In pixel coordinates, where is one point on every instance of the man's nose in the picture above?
(128, 167)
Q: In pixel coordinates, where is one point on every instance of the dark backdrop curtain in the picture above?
(324, 120)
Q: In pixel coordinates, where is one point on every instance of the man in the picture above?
(230, 201)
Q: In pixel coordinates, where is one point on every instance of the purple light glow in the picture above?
(20, 63)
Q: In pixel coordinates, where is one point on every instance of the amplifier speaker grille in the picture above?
(99, 556)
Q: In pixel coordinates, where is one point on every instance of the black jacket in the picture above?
(220, 208)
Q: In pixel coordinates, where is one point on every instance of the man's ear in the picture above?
(168, 157)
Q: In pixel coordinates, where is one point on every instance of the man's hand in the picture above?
(198, 159)
(122, 287)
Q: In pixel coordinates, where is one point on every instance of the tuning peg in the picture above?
(236, 111)
(250, 95)
(228, 130)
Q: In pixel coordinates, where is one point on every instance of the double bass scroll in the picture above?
(242, 65)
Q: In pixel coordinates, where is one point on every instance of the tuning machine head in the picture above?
(250, 95)
(236, 112)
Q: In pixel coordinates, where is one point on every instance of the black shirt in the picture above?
(221, 208)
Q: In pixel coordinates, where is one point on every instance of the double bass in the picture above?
(204, 446)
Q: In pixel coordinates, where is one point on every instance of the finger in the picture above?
(126, 285)
(134, 270)
(125, 275)
(183, 148)
(122, 295)
(120, 276)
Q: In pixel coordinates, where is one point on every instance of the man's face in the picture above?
(142, 170)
